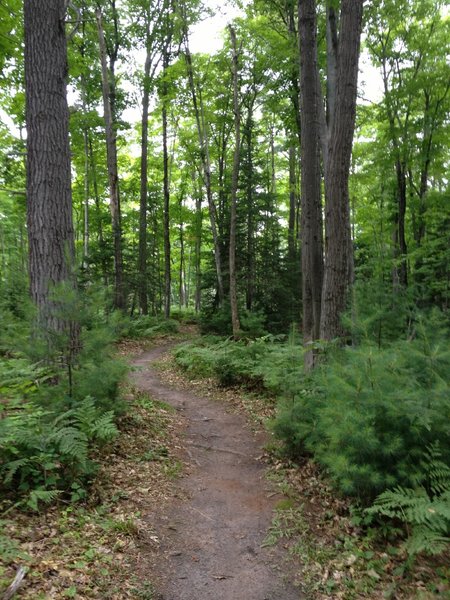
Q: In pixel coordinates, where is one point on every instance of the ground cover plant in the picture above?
(369, 415)
(93, 548)
(55, 414)
(295, 172)
(339, 549)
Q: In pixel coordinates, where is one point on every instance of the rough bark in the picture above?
(311, 213)
(143, 197)
(49, 196)
(338, 251)
(113, 177)
(198, 248)
(332, 63)
(183, 296)
(167, 270)
(251, 262)
(234, 186)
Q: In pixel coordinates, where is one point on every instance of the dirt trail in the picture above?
(212, 541)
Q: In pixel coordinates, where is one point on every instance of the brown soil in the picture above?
(213, 532)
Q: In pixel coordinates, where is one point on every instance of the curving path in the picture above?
(212, 537)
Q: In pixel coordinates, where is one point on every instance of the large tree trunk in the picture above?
(198, 247)
(332, 63)
(143, 200)
(167, 270)
(111, 154)
(311, 214)
(251, 262)
(183, 295)
(234, 188)
(49, 196)
(338, 251)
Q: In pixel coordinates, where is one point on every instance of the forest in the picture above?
(274, 203)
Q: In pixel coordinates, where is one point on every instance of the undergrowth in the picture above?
(369, 415)
(93, 549)
(146, 326)
(55, 414)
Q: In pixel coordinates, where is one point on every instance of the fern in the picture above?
(425, 510)
(85, 414)
(72, 442)
(12, 467)
(104, 427)
(45, 496)
(95, 423)
(48, 432)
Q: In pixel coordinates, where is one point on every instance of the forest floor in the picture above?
(192, 502)
(213, 534)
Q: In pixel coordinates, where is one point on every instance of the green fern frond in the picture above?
(426, 540)
(12, 467)
(45, 496)
(86, 413)
(72, 442)
(428, 516)
(105, 428)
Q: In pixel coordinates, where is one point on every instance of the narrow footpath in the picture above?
(212, 536)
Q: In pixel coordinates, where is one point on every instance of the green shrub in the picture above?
(368, 414)
(146, 326)
(262, 363)
(197, 358)
(55, 412)
(218, 322)
(184, 315)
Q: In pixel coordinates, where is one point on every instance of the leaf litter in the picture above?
(95, 550)
(334, 555)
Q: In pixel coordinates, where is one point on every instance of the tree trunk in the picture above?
(167, 270)
(294, 73)
(292, 238)
(143, 199)
(399, 236)
(332, 63)
(251, 263)
(111, 154)
(86, 199)
(85, 262)
(198, 248)
(338, 249)
(182, 271)
(49, 195)
(234, 188)
(311, 214)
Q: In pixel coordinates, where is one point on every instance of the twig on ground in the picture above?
(12, 589)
